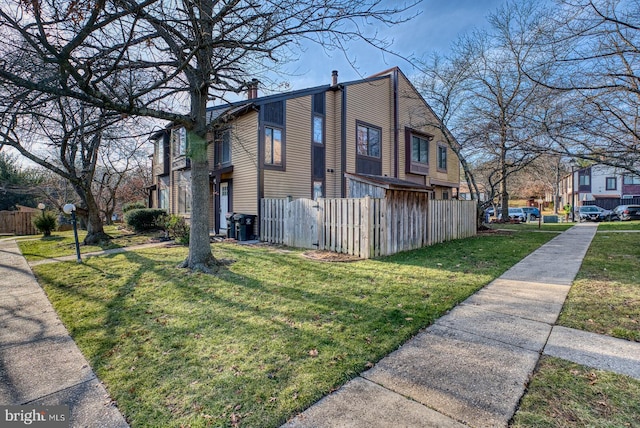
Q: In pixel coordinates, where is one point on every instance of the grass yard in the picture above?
(63, 243)
(532, 227)
(265, 338)
(619, 225)
(564, 394)
(605, 299)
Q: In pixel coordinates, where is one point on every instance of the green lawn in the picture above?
(266, 337)
(532, 227)
(605, 299)
(619, 225)
(63, 243)
(564, 394)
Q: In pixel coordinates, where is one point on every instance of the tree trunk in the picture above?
(200, 256)
(95, 228)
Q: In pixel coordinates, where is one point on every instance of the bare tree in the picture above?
(591, 51)
(493, 108)
(123, 171)
(65, 137)
(172, 52)
(445, 83)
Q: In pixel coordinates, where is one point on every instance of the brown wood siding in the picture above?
(295, 181)
(244, 157)
(332, 141)
(370, 102)
(415, 114)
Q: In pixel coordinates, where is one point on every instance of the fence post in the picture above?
(365, 228)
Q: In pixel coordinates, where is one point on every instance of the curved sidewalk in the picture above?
(40, 365)
(471, 367)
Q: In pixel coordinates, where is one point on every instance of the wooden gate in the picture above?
(301, 223)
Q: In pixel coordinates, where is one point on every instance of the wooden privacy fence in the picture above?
(17, 222)
(366, 227)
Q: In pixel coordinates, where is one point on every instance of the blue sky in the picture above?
(438, 24)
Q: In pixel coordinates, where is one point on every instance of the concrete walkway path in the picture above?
(471, 367)
(39, 362)
(98, 253)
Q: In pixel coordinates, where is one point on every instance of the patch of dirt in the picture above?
(329, 256)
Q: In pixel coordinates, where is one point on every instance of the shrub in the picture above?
(177, 228)
(133, 206)
(145, 219)
(45, 222)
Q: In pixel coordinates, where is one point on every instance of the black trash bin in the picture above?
(231, 225)
(244, 226)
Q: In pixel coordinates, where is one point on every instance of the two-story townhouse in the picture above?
(599, 184)
(300, 144)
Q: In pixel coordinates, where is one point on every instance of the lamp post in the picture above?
(71, 209)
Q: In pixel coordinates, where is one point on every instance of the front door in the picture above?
(224, 204)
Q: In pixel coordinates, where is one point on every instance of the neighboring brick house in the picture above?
(299, 145)
(602, 184)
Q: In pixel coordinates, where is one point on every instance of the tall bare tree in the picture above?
(65, 137)
(488, 102)
(174, 56)
(591, 51)
(123, 165)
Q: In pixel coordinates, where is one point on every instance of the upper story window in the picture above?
(273, 146)
(584, 177)
(160, 152)
(179, 142)
(442, 157)
(368, 149)
(417, 152)
(631, 179)
(368, 141)
(318, 129)
(612, 183)
(223, 147)
(273, 119)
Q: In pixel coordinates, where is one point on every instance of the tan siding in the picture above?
(415, 114)
(295, 181)
(370, 102)
(244, 139)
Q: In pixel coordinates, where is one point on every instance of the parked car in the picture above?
(590, 213)
(605, 214)
(626, 212)
(490, 212)
(515, 214)
(531, 211)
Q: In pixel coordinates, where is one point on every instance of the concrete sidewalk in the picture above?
(39, 362)
(99, 253)
(471, 367)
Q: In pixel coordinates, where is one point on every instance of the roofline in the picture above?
(415, 187)
(295, 94)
